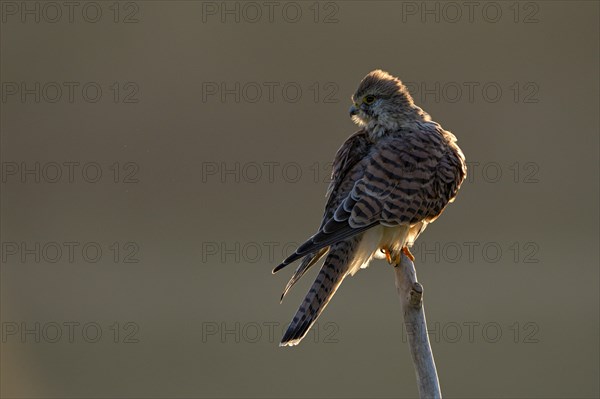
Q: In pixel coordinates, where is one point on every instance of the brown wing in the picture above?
(404, 179)
(354, 149)
(408, 179)
(343, 175)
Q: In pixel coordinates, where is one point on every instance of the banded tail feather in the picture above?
(335, 268)
(307, 263)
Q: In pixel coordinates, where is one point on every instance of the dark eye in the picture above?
(369, 99)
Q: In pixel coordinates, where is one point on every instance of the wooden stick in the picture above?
(411, 300)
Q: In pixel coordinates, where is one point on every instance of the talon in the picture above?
(388, 256)
(408, 254)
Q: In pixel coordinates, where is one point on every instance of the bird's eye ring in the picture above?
(369, 99)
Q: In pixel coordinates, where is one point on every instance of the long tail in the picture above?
(335, 268)
(307, 263)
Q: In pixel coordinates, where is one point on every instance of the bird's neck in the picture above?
(385, 124)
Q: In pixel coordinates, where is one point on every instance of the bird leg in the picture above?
(388, 255)
(395, 259)
(408, 254)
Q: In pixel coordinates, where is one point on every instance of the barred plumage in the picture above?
(389, 181)
(333, 272)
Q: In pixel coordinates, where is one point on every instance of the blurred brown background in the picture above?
(212, 125)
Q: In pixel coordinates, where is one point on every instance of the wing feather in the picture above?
(403, 179)
(345, 171)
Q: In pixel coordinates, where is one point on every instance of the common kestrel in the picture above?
(390, 180)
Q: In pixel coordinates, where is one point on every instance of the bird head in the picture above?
(382, 103)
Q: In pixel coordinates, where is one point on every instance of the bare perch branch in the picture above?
(411, 300)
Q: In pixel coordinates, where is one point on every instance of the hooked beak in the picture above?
(353, 110)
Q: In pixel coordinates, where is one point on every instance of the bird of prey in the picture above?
(390, 179)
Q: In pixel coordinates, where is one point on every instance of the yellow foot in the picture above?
(393, 259)
(409, 255)
(388, 255)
